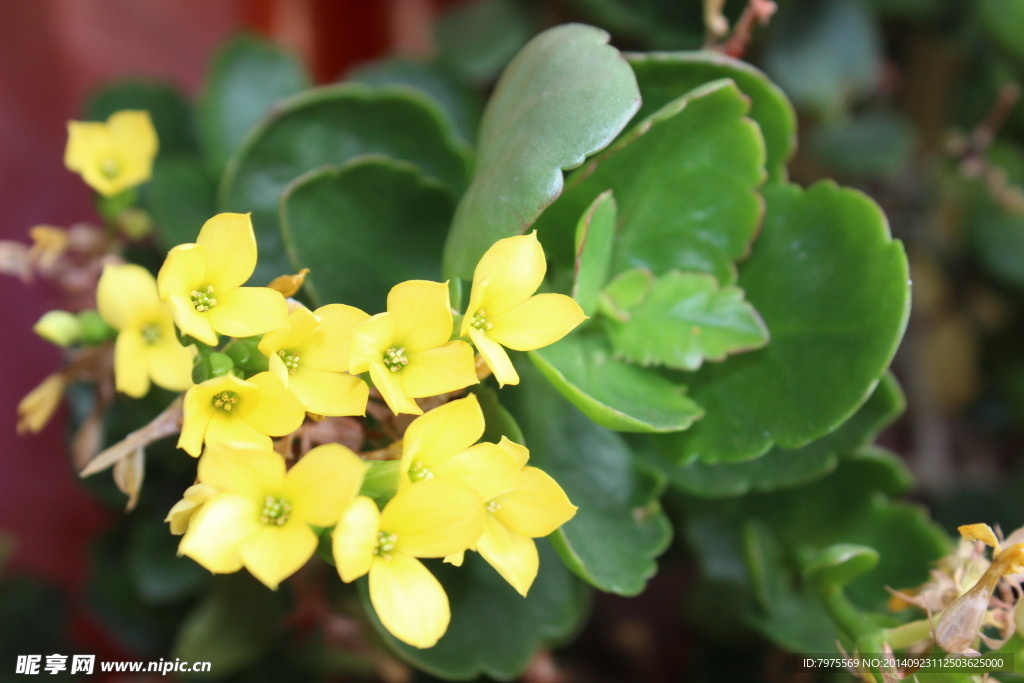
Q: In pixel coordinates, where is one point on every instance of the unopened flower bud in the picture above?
(95, 330)
(59, 327)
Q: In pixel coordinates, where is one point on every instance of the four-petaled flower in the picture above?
(203, 281)
(432, 519)
(408, 351)
(113, 156)
(310, 355)
(503, 310)
(225, 409)
(260, 516)
(147, 347)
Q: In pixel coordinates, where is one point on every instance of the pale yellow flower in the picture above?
(114, 156)
(36, 409)
(181, 514)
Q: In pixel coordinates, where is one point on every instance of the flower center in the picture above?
(290, 360)
(385, 544)
(479, 321)
(394, 359)
(275, 511)
(225, 400)
(151, 333)
(417, 472)
(110, 168)
(493, 506)
(202, 299)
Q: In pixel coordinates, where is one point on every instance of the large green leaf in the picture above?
(612, 393)
(685, 180)
(479, 38)
(494, 631)
(180, 196)
(832, 287)
(164, 102)
(330, 126)
(363, 227)
(782, 468)
(685, 319)
(246, 76)
(566, 95)
(664, 76)
(619, 529)
(595, 235)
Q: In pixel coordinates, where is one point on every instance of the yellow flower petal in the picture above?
(277, 412)
(354, 539)
(442, 432)
(486, 469)
(246, 471)
(273, 553)
(496, 358)
(126, 294)
(410, 602)
(423, 316)
(115, 155)
(323, 483)
(300, 324)
(370, 339)
(336, 324)
(389, 384)
(537, 322)
(513, 555)
(131, 374)
(134, 138)
(183, 270)
(196, 416)
(37, 407)
(181, 513)
(215, 532)
(433, 519)
(228, 428)
(248, 311)
(169, 363)
(536, 507)
(192, 322)
(979, 532)
(506, 275)
(88, 141)
(230, 250)
(329, 393)
(439, 370)
(521, 454)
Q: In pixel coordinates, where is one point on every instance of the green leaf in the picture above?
(346, 223)
(165, 103)
(566, 95)
(498, 420)
(614, 394)
(619, 528)
(664, 76)
(479, 38)
(246, 76)
(839, 563)
(159, 575)
(876, 144)
(685, 319)
(595, 234)
(1003, 20)
(494, 631)
(181, 198)
(232, 628)
(331, 126)
(659, 24)
(782, 468)
(626, 291)
(685, 180)
(832, 286)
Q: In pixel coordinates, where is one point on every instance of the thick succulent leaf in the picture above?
(782, 468)
(685, 319)
(839, 563)
(685, 179)
(330, 126)
(364, 226)
(494, 631)
(166, 105)
(832, 287)
(619, 529)
(595, 235)
(664, 76)
(566, 95)
(180, 196)
(246, 76)
(612, 393)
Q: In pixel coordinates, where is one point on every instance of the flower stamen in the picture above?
(394, 359)
(110, 168)
(203, 300)
(151, 334)
(290, 360)
(225, 400)
(418, 472)
(385, 544)
(480, 321)
(493, 506)
(276, 511)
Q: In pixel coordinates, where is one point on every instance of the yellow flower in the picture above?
(147, 347)
(310, 355)
(407, 350)
(36, 409)
(227, 408)
(181, 514)
(202, 282)
(440, 444)
(112, 156)
(503, 310)
(260, 516)
(432, 519)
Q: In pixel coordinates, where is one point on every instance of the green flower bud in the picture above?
(59, 327)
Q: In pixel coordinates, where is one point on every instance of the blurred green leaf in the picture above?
(566, 95)
(364, 226)
(658, 24)
(479, 38)
(1003, 20)
(876, 144)
(158, 573)
(595, 235)
(180, 197)
(837, 564)
(166, 105)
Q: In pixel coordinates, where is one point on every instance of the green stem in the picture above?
(906, 635)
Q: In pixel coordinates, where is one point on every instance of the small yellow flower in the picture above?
(503, 310)
(147, 347)
(113, 156)
(407, 350)
(432, 519)
(260, 516)
(36, 409)
(181, 514)
(202, 282)
(310, 355)
(227, 408)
